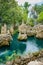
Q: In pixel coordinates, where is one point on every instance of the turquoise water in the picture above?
(22, 47)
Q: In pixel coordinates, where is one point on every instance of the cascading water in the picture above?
(33, 14)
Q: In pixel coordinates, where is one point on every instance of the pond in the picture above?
(22, 47)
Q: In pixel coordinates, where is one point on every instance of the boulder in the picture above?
(40, 34)
(38, 27)
(38, 30)
(30, 31)
(35, 63)
(5, 39)
(22, 36)
(22, 28)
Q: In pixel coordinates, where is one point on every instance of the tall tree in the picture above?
(38, 8)
(10, 12)
(26, 6)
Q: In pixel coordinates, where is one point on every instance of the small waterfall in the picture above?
(33, 14)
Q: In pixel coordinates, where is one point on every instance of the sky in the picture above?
(30, 1)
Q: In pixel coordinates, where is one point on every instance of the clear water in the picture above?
(23, 47)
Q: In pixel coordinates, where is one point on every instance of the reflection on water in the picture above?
(31, 45)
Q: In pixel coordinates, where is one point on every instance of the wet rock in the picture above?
(22, 36)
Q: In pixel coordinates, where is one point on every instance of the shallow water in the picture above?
(22, 47)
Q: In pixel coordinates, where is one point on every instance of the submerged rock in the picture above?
(22, 36)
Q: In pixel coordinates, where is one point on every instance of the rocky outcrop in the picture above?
(22, 36)
(38, 27)
(30, 31)
(40, 34)
(22, 28)
(28, 59)
(37, 30)
(25, 31)
(5, 35)
(5, 39)
(35, 63)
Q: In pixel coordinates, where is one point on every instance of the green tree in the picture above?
(26, 6)
(40, 18)
(38, 8)
(10, 12)
(30, 22)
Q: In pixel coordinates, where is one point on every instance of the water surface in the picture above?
(22, 47)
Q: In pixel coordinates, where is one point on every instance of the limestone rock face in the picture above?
(35, 63)
(39, 34)
(22, 28)
(29, 31)
(39, 30)
(5, 35)
(5, 39)
(38, 27)
(22, 36)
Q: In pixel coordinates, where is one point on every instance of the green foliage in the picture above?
(12, 57)
(40, 18)
(38, 8)
(24, 16)
(10, 12)
(30, 22)
(26, 6)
